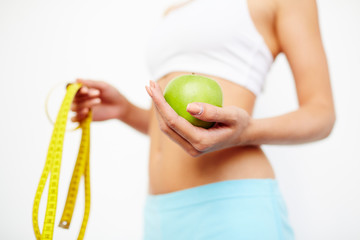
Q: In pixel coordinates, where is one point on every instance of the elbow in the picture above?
(329, 124)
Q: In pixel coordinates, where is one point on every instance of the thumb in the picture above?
(228, 115)
(205, 112)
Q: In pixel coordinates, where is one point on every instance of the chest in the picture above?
(212, 24)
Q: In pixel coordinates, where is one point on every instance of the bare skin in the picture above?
(180, 159)
(171, 168)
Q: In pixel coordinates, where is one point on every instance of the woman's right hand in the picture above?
(105, 101)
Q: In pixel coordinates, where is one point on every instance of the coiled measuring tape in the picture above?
(52, 167)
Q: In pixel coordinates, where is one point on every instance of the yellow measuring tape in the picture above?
(52, 167)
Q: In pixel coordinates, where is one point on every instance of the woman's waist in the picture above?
(172, 169)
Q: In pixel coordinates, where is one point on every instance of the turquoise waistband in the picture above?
(245, 188)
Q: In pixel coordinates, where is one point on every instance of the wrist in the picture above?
(124, 110)
(247, 137)
(135, 117)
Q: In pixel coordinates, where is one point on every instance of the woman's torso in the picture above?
(172, 169)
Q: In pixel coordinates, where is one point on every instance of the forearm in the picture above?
(137, 118)
(308, 123)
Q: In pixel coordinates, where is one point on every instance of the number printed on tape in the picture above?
(52, 167)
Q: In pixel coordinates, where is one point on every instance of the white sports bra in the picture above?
(214, 37)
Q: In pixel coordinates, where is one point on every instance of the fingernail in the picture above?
(195, 108)
(97, 100)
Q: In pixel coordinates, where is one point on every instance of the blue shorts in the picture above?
(249, 209)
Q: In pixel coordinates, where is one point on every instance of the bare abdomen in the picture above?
(172, 169)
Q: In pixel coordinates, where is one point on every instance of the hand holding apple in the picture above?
(231, 122)
(186, 89)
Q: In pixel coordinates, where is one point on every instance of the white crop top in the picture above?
(214, 37)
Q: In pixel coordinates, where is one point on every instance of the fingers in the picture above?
(80, 115)
(78, 106)
(171, 118)
(87, 97)
(196, 140)
(176, 137)
(86, 92)
(92, 92)
(210, 113)
(81, 106)
(89, 89)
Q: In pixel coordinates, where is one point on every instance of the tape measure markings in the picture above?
(79, 170)
(52, 168)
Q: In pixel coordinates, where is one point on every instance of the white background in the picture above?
(43, 43)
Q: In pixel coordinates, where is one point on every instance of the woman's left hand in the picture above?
(230, 124)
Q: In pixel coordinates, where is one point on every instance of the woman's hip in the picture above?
(234, 209)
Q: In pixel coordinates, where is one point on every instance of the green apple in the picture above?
(186, 89)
